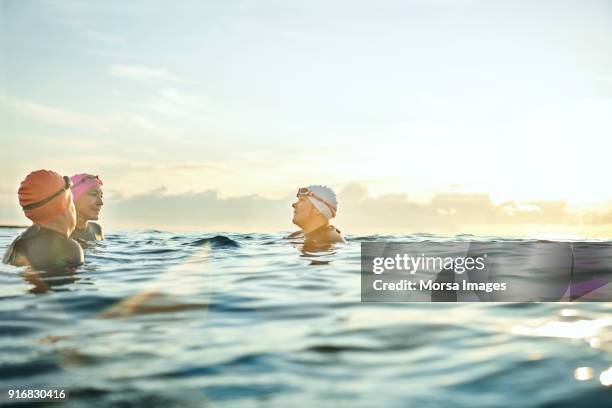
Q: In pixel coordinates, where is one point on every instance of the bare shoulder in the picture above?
(334, 235)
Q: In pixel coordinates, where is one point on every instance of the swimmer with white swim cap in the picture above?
(316, 205)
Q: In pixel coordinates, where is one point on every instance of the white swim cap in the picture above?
(323, 198)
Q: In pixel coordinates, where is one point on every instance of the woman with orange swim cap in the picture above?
(46, 199)
(87, 197)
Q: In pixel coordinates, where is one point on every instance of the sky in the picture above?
(443, 116)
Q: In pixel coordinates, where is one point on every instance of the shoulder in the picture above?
(15, 253)
(334, 234)
(49, 250)
(71, 254)
(95, 229)
(325, 235)
(74, 251)
(31, 232)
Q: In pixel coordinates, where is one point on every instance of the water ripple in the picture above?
(164, 319)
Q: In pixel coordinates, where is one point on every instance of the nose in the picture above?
(294, 205)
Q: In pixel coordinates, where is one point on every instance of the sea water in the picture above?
(215, 319)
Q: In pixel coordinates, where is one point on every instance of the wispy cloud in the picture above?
(146, 74)
(56, 116)
(181, 104)
(142, 122)
(76, 120)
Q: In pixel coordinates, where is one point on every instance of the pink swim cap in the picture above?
(83, 182)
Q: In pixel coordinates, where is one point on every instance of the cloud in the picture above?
(598, 218)
(353, 192)
(56, 116)
(180, 104)
(151, 167)
(142, 122)
(146, 74)
(444, 214)
(202, 210)
(70, 119)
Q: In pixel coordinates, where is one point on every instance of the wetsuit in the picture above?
(44, 249)
(93, 232)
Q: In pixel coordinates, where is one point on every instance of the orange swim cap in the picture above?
(44, 195)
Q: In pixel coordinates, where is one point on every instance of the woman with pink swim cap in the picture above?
(87, 196)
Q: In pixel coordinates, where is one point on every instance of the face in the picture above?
(89, 204)
(302, 211)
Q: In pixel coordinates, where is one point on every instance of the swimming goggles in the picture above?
(305, 192)
(51, 197)
(87, 179)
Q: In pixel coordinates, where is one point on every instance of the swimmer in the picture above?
(46, 200)
(87, 197)
(315, 206)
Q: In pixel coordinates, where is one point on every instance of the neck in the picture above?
(81, 223)
(57, 227)
(314, 226)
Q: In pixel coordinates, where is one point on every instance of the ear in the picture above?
(314, 211)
